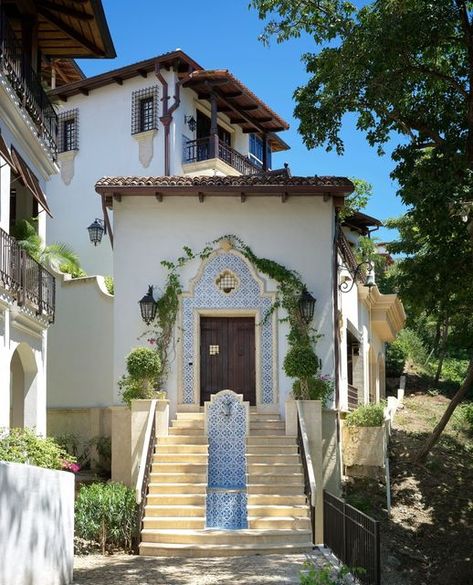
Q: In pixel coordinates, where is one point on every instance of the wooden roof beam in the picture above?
(68, 30)
(66, 10)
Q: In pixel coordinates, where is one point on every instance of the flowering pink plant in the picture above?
(70, 466)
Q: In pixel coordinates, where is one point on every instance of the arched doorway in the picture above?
(23, 387)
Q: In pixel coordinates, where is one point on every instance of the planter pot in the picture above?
(364, 446)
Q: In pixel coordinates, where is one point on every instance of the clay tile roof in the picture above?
(259, 180)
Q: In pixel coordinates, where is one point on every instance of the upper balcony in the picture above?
(25, 279)
(213, 154)
(27, 86)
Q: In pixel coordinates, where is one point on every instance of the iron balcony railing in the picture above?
(212, 147)
(26, 279)
(353, 398)
(27, 85)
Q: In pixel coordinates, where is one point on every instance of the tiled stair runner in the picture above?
(278, 516)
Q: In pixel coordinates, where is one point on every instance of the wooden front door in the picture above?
(227, 357)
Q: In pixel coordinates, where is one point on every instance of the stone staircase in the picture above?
(278, 515)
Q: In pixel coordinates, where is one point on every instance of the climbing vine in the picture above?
(301, 361)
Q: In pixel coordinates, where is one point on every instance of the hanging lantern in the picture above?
(148, 306)
(96, 231)
(306, 306)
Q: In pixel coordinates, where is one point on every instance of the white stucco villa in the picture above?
(170, 156)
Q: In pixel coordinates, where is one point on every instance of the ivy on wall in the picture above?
(300, 362)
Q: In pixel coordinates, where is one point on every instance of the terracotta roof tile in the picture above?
(229, 181)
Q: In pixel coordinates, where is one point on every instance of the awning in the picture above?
(5, 153)
(29, 180)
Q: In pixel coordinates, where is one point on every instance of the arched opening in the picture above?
(381, 377)
(23, 387)
(374, 377)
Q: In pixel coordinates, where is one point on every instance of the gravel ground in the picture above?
(134, 570)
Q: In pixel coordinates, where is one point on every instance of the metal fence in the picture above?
(353, 537)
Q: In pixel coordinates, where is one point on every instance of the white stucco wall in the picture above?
(36, 525)
(297, 234)
(80, 369)
(106, 147)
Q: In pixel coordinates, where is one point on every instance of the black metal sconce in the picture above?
(96, 231)
(148, 306)
(306, 306)
(191, 122)
(349, 283)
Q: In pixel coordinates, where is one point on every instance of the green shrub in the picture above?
(72, 269)
(143, 366)
(103, 445)
(105, 513)
(109, 284)
(143, 363)
(76, 445)
(320, 388)
(301, 362)
(329, 575)
(23, 446)
(462, 419)
(366, 415)
(407, 347)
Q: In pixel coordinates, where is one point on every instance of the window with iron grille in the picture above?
(144, 110)
(68, 131)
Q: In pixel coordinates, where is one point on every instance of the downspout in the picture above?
(166, 118)
(336, 338)
(106, 218)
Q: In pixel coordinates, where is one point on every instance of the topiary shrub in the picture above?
(301, 363)
(366, 415)
(319, 387)
(105, 513)
(143, 367)
(23, 446)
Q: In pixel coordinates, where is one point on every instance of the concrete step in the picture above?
(278, 440)
(279, 523)
(278, 510)
(276, 479)
(181, 448)
(160, 467)
(261, 416)
(190, 415)
(181, 500)
(221, 550)
(188, 423)
(262, 449)
(272, 468)
(252, 459)
(174, 523)
(265, 432)
(279, 489)
(177, 510)
(215, 536)
(188, 431)
(276, 500)
(178, 488)
(187, 439)
(267, 424)
(197, 458)
(189, 478)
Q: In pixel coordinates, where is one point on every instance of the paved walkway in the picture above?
(134, 570)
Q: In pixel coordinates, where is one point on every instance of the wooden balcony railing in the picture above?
(27, 85)
(212, 147)
(26, 279)
(353, 400)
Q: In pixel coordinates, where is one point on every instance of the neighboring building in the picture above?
(37, 43)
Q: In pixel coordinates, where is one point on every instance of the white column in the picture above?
(4, 368)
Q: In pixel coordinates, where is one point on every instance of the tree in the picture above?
(405, 69)
(58, 256)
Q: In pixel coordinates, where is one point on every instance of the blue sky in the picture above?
(224, 35)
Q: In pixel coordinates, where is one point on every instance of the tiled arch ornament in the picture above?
(249, 298)
(226, 425)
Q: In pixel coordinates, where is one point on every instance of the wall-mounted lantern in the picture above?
(148, 306)
(96, 231)
(306, 306)
(191, 122)
(369, 281)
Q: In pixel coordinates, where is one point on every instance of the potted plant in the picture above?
(364, 436)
